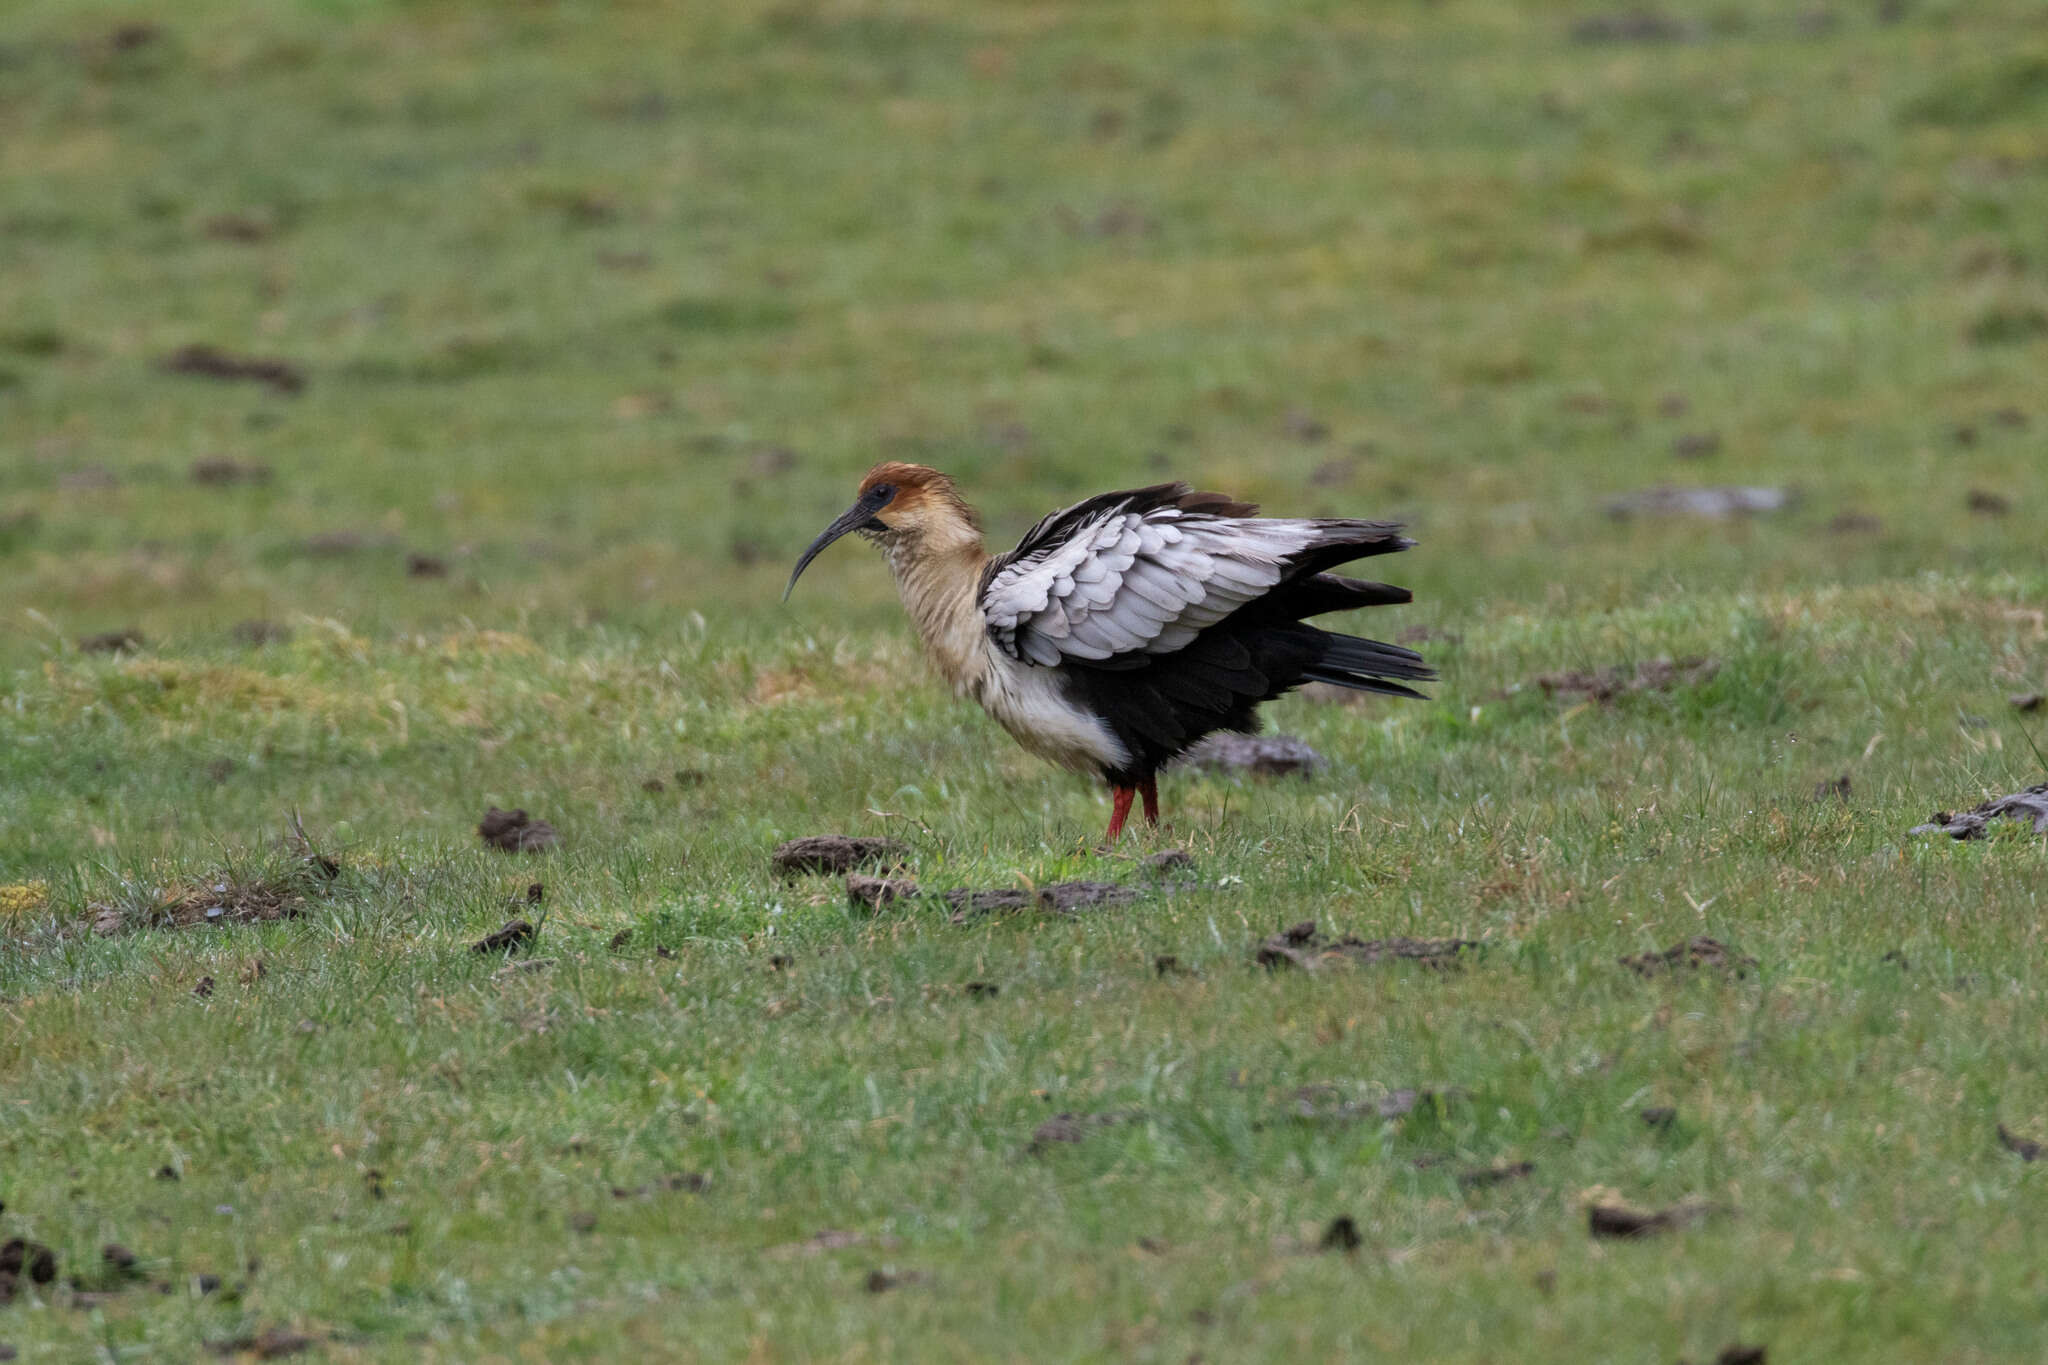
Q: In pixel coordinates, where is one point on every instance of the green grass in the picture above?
(563, 280)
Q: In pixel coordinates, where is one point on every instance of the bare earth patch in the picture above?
(834, 853)
(1302, 946)
(1694, 954)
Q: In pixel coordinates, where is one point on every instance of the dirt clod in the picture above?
(1696, 445)
(835, 853)
(111, 641)
(220, 472)
(1713, 503)
(1486, 1177)
(516, 832)
(1986, 503)
(1605, 684)
(1261, 755)
(1166, 964)
(875, 892)
(2031, 804)
(418, 565)
(1168, 860)
(1659, 1116)
(1741, 1355)
(1059, 898)
(23, 1259)
(512, 937)
(203, 987)
(1694, 954)
(272, 1343)
(210, 362)
(1302, 946)
(982, 990)
(1341, 1235)
(882, 1281)
(687, 1182)
(1610, 1217)
(621, 939)
(2026, 1149)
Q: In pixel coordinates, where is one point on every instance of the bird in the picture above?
(1123, 629)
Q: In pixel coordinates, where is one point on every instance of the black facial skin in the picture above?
(859, 517)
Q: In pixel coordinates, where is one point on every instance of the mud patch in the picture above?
(210, 362)
(2030, 805)
(1716, 503)
(1486, 1177)
(515, 831)
(2026, 1149)
(1059, 898)
(834, 853)
(223, 473)
(272, 1343)
(1604, 685)
(515, 935)
(1608, 1216)
(1301, 946)
(1260, 755)
(1699, 953)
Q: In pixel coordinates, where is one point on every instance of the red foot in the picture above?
(1119, 810)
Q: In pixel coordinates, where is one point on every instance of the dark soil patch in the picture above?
(419, 565)
(1166, 964)
(1261, 755)
(23, 1259)
(209, 362)
(2026, 1149)
(1696, 445)
(111, 641)
(332, 544)
(203, 987)
(515, 831)
(1074, 1128)
(1739, 1355)
(245, 229)
(2031, 805)
(222, 472)
(1612, 1218)
(1693, 954)
(514, 936)
(833, 853)
(1606, 684)
(1302, 946)
(1059, 898)
(2027, 701)
(1855, 524)
(1712, 504)
(1986, 503)
(272, 1343)
(1660, 1117)
(982, 990)
(621, 939)
(676, 1182)
(1486, 1177)
(875, 892)
(1630, 26)
(1341, 1235)
(882, 1281)
(1169, 860)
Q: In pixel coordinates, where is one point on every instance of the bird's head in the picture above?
(898, 503)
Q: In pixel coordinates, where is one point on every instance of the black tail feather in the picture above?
(1369, 666)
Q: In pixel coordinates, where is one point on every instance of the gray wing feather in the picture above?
(1127, 581)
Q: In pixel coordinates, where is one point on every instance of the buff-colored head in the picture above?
(901, 502)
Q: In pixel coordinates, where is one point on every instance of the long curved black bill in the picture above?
(852, 519)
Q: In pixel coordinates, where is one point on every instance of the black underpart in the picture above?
(1159, 705)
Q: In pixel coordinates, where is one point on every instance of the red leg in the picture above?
(1120, 807)
(1149, 789)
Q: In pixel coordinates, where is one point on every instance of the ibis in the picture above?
(1123, 629)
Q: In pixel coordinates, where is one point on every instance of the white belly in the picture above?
(1029, 703)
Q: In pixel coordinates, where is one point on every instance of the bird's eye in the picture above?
(882, 492)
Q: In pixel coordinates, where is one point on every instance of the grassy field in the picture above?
(575, 322)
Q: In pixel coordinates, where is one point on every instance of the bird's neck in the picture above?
(938, 578)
